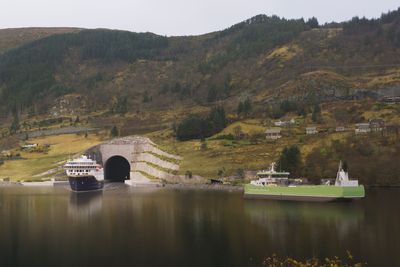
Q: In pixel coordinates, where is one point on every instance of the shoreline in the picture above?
(205, 187)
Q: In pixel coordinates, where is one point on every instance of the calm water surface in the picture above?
(165, 227)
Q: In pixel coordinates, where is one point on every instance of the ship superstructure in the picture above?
(276, 185)
(84, 174)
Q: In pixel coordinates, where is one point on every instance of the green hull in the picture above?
(305, 192)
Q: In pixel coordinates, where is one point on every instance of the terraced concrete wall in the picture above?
(147, 157)
(149, 147)
(146, 168)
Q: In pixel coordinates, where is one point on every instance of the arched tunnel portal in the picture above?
(117, 169)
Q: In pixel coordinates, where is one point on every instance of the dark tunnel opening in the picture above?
(117, 169)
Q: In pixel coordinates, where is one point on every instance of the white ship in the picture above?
(84, 174)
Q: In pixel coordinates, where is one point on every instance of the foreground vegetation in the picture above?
(275, 261)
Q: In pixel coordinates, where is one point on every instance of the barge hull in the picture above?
(305, 193)
(298, 198)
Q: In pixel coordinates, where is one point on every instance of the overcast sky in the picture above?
(176, 17)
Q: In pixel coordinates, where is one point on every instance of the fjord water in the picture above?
(165, 227)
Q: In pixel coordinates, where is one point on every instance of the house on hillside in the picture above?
(377, 125)
(340, 129)
(362, 128)
(391, 99)
(284, 123)
(311, 130)
(29, 146)
(273, 133)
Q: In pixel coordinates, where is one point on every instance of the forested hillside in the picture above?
(210, 98)
(263, 57)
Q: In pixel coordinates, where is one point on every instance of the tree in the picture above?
(345, 166)
(288, 106)
(316, 113)
(244, 107)
(188, 175)
(77, 119)
(193, 127)
(212, 94)
(221, 172)
(290, 161)
(217, 119)
(227, 85)
(237, 131)
(146, 97)
(121, 105)
(240, 108)
(240, 173)
(15, 124)
(177, 88)
(247, 106)
(114, 131)
(313, 23)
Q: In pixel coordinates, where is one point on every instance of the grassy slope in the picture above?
(242, 154)
(11, 38)
(61, 147)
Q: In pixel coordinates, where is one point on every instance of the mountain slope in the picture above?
(12, 38)
(264, 57)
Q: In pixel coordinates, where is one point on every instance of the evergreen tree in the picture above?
(227, 85)
(193, 127)
(290, 161)
(316, 113)
(247, 106)
(217, 119)
(313, 22)
(177, 88)
(121, 105)
(212, 94)
(114, 131)
(240, 108)
(244, 107)
(15, 123)
(146, 97)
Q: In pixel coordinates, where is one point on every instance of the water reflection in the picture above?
(84, 206)
(124, 226)
(343, 218)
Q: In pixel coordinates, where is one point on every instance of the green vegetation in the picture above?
(274, 260)
(34, 165)
(27, 73)
(369, 159)
(290, 161)
(224, 88)
(194, 127)
(114, 132)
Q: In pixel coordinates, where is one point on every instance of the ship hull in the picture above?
(85, 183)
(318, 193)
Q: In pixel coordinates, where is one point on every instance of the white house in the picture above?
(273, 133)
(362, 128)
(28, 146)
(311, 130)
(340, 129)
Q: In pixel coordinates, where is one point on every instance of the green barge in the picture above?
(305, 192)
(277, 186)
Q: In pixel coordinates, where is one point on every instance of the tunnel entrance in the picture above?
(117, 169)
